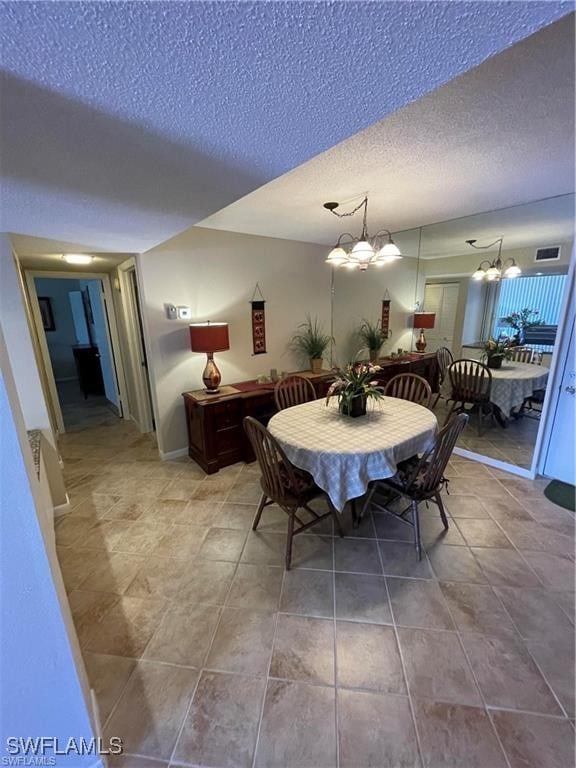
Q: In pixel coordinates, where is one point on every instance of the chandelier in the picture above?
(496, 269)
(360, 252)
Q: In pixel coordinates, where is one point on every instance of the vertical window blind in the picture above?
(541, 292)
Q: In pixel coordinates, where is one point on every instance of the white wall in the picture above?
(215, 274)
(42, 691)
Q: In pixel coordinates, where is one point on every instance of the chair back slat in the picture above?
(293, 390)
(271, 458)
(522, 355)
(437, 459)
(444, 359)
(409, 386)
(471, 381)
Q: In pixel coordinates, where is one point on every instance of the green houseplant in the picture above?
(372, 337)
(496, 350)
(525, 318)
(310, 342)
(353, 386)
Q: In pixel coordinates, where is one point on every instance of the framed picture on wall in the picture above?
(46, 313)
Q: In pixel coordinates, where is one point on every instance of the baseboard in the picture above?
(62, 509)
(169, 455)
(495, 463)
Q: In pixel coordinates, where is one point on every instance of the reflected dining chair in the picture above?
(282, 483)
(444, 360)
(421, 479)
(409, 386)
(471, 385)
(522, 355)
(293, 390)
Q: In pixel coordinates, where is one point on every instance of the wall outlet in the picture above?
(171, 312)
(184, 313)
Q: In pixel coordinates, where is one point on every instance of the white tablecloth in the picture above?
(514, 382)
(344, 454)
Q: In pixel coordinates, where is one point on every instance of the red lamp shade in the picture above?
(209, 337)
(424, 320)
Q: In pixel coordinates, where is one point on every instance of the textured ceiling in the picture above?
(40, 253)
(496, 136)
(125, 123)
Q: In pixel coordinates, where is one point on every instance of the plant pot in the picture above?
(316, 364)
(374, 355)
(494, 361)
(356, 406)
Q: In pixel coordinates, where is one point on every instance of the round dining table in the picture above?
(343, 454)
(514, 382)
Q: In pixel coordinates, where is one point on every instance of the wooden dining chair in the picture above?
(284, 484)
(471, 385)
(293, 390)
(444, 360)
(421, 480)
(409, 386)
(522, 355)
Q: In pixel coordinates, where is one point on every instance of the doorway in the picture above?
(76, 329)
(442, 300)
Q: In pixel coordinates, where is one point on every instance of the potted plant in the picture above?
(372, 337)
(525, 318)
(496, 350)
(353, 386)
(311, 342)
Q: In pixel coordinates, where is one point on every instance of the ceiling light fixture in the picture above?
(77, 258)
(496, 269)
(360, 252)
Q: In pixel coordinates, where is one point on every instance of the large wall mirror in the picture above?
(436, 277)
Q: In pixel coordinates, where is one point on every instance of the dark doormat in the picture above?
(562, 494)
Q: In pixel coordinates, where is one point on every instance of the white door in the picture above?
(560, 456)
(102, 339)
(442, 299)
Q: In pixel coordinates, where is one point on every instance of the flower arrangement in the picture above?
(353, 386)
(496, 350)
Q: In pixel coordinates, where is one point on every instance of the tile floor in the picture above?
(203, 651)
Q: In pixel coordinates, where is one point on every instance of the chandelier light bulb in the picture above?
(391, 250)
(479, 274)
(337, 257)
(362, 252)
(493, 274)
(512, 271)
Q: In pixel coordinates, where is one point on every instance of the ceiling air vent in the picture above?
(550, 253)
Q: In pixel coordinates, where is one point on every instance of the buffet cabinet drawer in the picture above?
(225, 415)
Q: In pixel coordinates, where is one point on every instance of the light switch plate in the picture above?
(171, 312)
(184, 313)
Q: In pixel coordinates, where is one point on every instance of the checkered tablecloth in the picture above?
(514, 382)
(344, 454)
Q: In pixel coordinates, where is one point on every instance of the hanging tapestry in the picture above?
(385, 321)
(258, 323)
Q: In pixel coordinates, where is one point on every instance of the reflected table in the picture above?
(344, 454)
(514, 382)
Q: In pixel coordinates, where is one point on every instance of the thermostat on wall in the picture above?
(184, 313)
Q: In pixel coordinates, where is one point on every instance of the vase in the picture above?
(316, 364)
(374, 355)
(494, 361)
(355, 407)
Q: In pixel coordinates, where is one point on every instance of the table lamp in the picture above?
(210, 338)
(423, 320)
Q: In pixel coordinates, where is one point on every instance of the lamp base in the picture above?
(211, 375)
(421, 341)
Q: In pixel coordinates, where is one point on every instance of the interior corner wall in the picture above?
(215, 274)
(61, 340)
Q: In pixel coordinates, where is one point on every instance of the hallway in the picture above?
(203, 651)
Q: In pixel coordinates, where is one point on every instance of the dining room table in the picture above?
(513, 383)
(344, 454)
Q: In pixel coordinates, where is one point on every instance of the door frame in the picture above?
(113, 336)
(135, 342)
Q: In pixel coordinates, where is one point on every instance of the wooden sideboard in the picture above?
(216, 436)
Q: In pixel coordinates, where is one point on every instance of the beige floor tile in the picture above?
(158, 577)
(211, 492)
(184, 635)
(135, 761)
(357, 556)
(181, 488)
(367, 657)
(107, 675)
(555, 571)
(504, 507)
(400, 559)
(206, 582)
(483, 533)
(106, 534)
(113, 573)
(556, 662)
(243, 642)
(141, 537)
(475, 608)
(76, 564)
(182, 541)
(152, 708)
(535, 614)
(531, 741)
(241, 516)
(433, 533)
(256, 587)
(222, 724)
(123, 630)
(126, 509)
(264, 548)
(507, 675)
(456, 564)
(436, 667)
(222, 544)
(312, 551)
(504, 567)
(388, 527)
(298, 727)
(418, 603)
(73, 530)
(362, 597)
(455, 736)
(303, 650)
(375, 731)
(88, 608)
(94, 506)
(247, 493)
(536, 537)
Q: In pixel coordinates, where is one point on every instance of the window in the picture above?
(542, 292)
